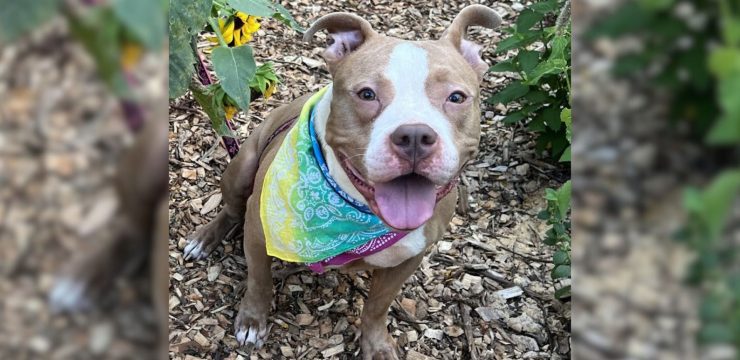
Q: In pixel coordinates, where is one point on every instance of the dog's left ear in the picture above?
(473, 15)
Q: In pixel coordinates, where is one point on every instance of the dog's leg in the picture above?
(236, 186)
(251, 323)
(376, 343)
(141, 183)
(160, 273)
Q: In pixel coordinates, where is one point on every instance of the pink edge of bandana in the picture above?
(373, 246)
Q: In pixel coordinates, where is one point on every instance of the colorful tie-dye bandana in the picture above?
(306, 217)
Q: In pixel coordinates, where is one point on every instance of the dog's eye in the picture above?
(457, 97)
(366, 94)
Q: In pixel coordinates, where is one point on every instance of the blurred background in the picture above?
(656, 87)
(82, 82)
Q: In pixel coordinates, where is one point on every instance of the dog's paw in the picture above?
(380, 347)
(206, 239)
(198, 248)
(250, 330)
(70, 294)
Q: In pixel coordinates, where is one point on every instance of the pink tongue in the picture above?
(406, 202)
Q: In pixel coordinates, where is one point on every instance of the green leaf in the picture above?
(558, 46)
(548, 67)
(566, 118)
(543, 215)
(99, 33)
(724, 61)
(266, 8)
(211, 102)
(235, 68)
(561, 272)
(145, 19)
(514, 117)
(528, 60)
(561, 257)
(546, 7)
(504, 66)
(513, 91)
(186, 18)
(552, 117)
(716, 201)
(518, 40)
(527, 18)
(563, 292)
(536, 97)
(566, 155)
(551, 194)
(563, 199)
(19, 17)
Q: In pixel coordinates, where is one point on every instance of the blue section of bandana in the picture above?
(325, 169)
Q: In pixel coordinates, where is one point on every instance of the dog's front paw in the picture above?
(206, 239)
(380, 347)
(251, 328)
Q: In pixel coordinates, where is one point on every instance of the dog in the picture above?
(388, 138)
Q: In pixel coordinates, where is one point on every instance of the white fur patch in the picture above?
(407, 70)
(410, 246)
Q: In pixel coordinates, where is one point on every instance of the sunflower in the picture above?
(230, 111)
(130, 55)
(238, 30)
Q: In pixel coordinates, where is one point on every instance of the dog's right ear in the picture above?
(346, 33)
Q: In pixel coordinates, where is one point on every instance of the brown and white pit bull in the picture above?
(396, 126)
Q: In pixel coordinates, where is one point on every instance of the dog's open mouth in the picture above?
(404, 203)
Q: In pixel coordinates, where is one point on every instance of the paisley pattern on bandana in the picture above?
(305, 217)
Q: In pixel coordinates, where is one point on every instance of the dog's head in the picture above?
(404, 114)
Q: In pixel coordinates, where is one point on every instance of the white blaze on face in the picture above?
(407, 70)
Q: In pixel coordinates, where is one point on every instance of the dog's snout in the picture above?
(413, 142)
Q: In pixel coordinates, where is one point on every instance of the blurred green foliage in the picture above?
(542, 64)
(103, 29)
(692, 49)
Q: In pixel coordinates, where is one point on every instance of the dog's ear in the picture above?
(346, 33)
(473, 15)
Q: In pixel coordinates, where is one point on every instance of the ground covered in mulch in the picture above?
(61, 135)
(484, 292)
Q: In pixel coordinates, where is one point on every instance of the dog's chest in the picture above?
(409, 246)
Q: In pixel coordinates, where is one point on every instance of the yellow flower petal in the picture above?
(246, 37)
(270, 90)
(228, 32)
(238, 39)
(252, 24)
(130, 55)
(230, 112)
(242, 16)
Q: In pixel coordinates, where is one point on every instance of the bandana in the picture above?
(306, 216)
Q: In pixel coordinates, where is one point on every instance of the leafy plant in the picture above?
(557, 215)
(115, 33)
(702, 71)
(233, 22)
(542, 63)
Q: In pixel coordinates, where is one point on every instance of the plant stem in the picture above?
(217, 30)
(562, 21)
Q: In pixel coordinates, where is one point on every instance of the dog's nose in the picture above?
(413, 142)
